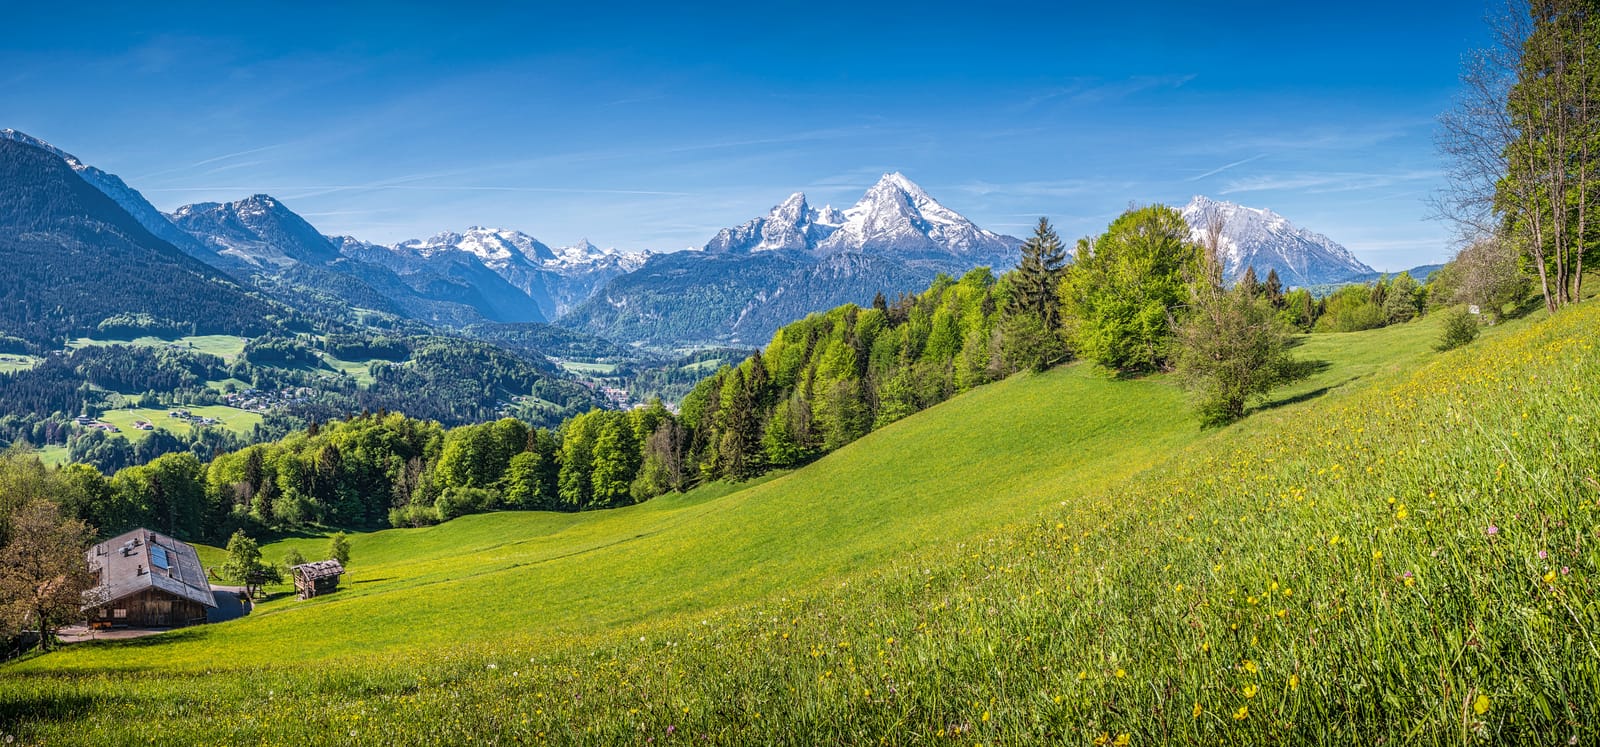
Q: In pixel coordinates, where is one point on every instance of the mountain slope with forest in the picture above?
(75, 258)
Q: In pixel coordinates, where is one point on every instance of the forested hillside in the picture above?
(74, 258)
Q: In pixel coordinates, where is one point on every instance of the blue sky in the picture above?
(651, 127)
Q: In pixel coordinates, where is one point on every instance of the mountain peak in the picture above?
(1265, 240)
(894, 217)
(112, 186)
(899, 181)
(257, 230)
(17, 136)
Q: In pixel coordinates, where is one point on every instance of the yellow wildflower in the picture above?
(1198, 710)
(1481, 705)
(1122, 740)
(1240, 714)
(1294, 682)
(1249, 691)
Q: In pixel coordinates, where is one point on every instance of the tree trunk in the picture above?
(44, 629)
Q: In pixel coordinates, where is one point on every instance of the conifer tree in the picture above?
(1044, 260)
(1249, 284)
(1273, 289)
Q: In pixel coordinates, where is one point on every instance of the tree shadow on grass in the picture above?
(1300, 371)
(55, 707)
(1528, 306)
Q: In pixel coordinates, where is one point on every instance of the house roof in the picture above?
(141, 559)
(318, 569)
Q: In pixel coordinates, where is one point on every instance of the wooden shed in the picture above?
(313, 579)
(148, 580)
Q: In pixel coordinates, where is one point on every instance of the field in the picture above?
(589, 369)
(53, 456)
(358, 370)
(227, 347)
(233, 419)
(12, 362)
(1403, 552)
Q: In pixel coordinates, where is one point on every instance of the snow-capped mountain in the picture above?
(554, 280)
(796, 259)
(1259, 238)
(793, 224)
(584, 255)
(258, 231)
(894, 218)
(125, 196)
(496, 247)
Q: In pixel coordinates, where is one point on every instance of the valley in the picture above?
(1049, 500)
(825, 375)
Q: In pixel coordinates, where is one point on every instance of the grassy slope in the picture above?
(233, 419)
(1171, 578)
(547, 574)
(226, 347)
(11, 362)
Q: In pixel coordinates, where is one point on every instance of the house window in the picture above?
(105, 612)
(119, 614)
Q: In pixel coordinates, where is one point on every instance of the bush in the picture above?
(459, 501)
(1460, 328)
(413, 515)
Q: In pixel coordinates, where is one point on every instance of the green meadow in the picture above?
(361, 371)
(592, 369)
(233, 419)
(13, 362)
(1401, 550)
(226, 347)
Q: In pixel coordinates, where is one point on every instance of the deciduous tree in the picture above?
(43, 575)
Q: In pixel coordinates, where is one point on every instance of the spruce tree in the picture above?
(1044, 260)
(1273, 288)
(1249, 284)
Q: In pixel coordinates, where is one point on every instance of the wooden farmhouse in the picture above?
(147, 580)
(320, 577)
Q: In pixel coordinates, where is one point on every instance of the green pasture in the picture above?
(1403, 550)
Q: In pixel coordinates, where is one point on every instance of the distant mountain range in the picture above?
(747, 281)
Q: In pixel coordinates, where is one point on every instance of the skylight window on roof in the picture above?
(158, 556)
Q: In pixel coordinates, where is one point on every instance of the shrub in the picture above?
(1460, 328)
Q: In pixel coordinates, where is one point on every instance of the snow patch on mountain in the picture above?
(896, 217)
(1267, 241)
(258, 231)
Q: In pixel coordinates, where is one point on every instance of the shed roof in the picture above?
(317, 569)
(140, 559)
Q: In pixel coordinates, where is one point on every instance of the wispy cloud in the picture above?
(1325, 182)
(211, 160)
(304, 191)
(1225, 167)
(1084, 91)
(1046, 188)
(637, 99)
